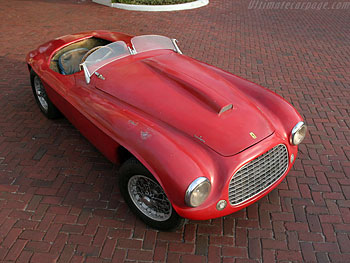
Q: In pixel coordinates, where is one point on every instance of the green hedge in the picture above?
(152, 2)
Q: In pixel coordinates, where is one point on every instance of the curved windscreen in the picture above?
(106, 54)
(116, 50)
(151, 42)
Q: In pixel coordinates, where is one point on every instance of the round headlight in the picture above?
(298, 133)
(197, 192)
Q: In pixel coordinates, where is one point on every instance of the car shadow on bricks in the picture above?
(62, 175)
(50, 162)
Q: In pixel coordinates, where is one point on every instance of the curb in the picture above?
(153, 8)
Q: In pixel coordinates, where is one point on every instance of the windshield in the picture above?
(151, 42)
(116, 50)
(106, 54)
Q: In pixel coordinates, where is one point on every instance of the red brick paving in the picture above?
(58, 196)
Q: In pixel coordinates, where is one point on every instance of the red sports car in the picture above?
(193, 140)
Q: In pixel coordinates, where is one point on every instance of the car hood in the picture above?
(188, 96)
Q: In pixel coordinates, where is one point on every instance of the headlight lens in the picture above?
(298, 133)
(197, 192)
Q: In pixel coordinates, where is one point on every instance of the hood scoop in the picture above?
(226, 108)
(187, 98)
(205, 94)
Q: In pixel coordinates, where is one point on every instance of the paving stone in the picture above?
(58, 195)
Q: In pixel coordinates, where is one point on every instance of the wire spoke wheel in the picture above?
(146, 197)
(41, 93)
(149, 197)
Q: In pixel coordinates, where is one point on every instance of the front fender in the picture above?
(174, 159)
(281, 113)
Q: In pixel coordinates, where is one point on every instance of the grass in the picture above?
(152, 2)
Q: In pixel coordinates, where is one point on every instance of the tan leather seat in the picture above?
(69, 61)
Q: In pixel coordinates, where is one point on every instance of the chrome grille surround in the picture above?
(257, 175)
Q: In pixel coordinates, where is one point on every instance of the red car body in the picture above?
(165, 109)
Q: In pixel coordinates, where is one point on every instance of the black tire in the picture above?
(132, 175)
(41, 98)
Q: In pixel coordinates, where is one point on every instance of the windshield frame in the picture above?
(156, 42)
(131, 51)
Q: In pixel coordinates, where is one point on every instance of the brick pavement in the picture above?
(58, 196)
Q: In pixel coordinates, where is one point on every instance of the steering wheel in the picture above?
(110, 51)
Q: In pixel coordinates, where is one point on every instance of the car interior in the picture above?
(67, 60)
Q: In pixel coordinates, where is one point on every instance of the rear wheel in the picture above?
(146, 197)
(43, 101)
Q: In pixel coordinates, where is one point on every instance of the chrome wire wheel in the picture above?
(41, 93)
(149, 197)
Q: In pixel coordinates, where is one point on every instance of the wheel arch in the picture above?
(174, 166)
(123, 154)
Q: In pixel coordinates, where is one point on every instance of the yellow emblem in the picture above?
(253, 135)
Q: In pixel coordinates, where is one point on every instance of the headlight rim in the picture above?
(195, 183)
(295, 130)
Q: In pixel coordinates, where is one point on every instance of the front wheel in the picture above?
(145, 197)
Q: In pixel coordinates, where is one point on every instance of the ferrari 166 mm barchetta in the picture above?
(193, 140)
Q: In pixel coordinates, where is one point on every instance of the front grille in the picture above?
(258, 174)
